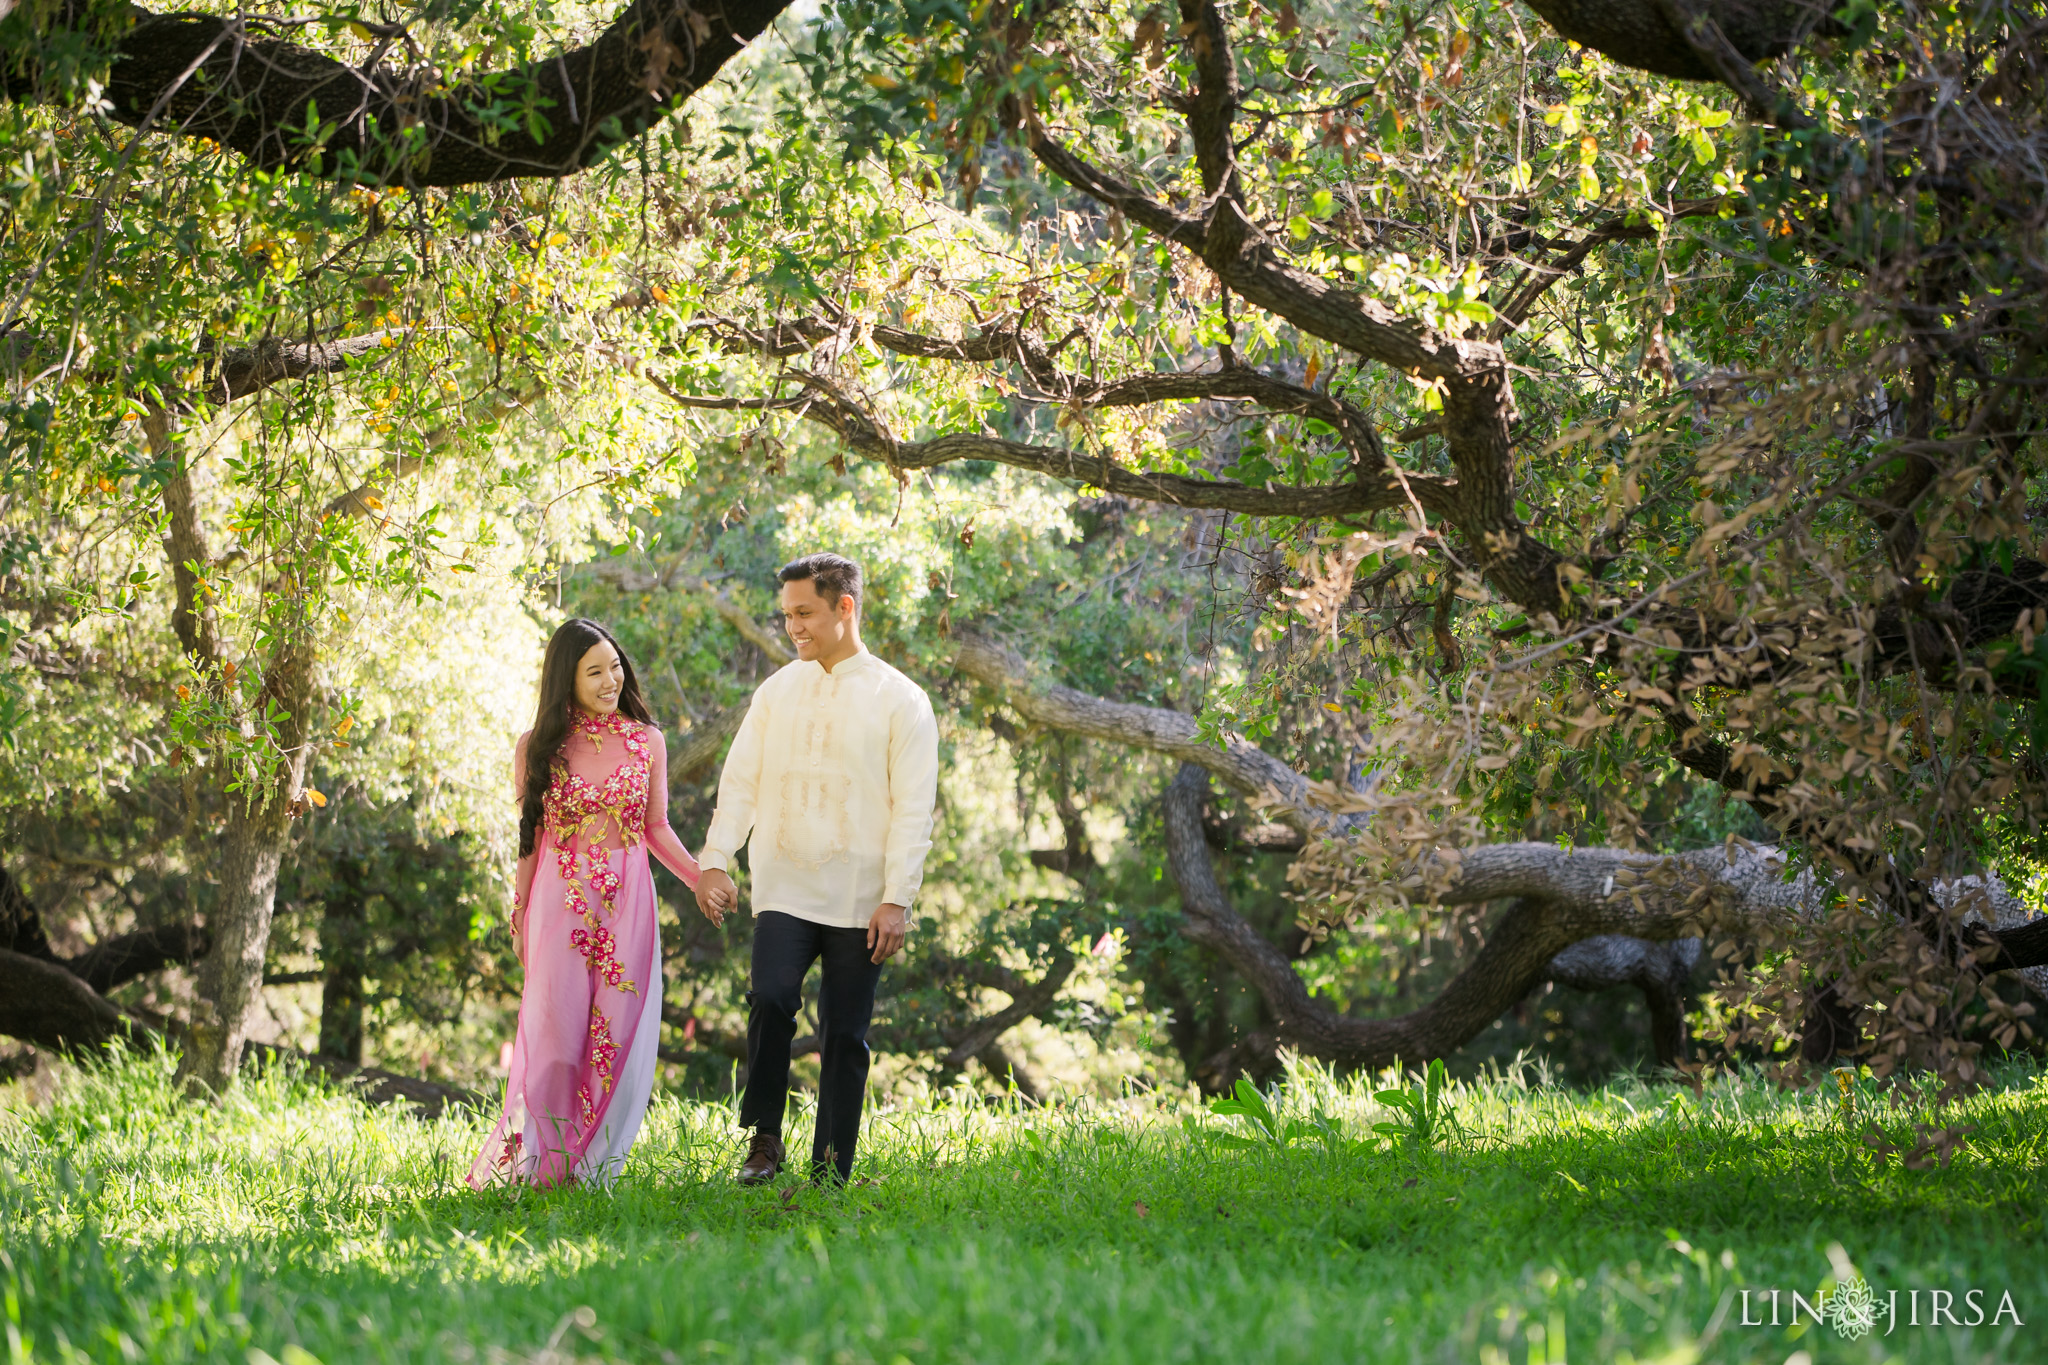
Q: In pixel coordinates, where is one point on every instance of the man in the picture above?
(833, 773)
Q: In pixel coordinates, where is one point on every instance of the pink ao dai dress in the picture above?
(590, 1015)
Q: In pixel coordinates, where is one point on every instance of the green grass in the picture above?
(1603, 1226)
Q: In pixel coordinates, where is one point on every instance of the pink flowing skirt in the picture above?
(589, 1022)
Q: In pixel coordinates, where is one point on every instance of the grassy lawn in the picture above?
(1612, 1225)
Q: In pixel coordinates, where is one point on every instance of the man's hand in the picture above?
(887, 928)
(717, 897)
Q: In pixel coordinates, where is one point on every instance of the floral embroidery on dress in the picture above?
(604, 1053)
(581, 815)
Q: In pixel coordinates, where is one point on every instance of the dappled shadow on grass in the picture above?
(139, 1229)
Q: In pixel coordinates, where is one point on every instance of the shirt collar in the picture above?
(859, 660)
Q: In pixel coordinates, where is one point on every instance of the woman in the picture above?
(592, 779)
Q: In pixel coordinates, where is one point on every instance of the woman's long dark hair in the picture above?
(566, 648)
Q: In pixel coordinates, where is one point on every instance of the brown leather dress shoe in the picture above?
(764, 1160)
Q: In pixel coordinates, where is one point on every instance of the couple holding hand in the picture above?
(833, 775)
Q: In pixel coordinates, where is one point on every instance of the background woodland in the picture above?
(1433, 530)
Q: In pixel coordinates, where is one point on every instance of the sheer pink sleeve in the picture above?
(661, 840)
(522, 879)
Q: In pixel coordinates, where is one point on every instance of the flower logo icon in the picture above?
(1852, 1308)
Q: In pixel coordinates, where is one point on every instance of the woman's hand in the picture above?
(519, 933)
(717, 897)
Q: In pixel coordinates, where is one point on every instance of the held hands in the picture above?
(717, 897)
(887, 928)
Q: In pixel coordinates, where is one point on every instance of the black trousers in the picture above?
(784, 949)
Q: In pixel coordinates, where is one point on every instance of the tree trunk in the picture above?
(231, 976)
(1515, 957)
(21, 924)
(341, 956)
(258, 817)
(1007, 1070)
(1661, 971)
(1829, 1028)
(1545, 934)
(252, 848)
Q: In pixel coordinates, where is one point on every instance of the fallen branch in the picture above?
(1562, 906)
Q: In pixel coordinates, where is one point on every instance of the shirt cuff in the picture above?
(710, 860)
(898, 896)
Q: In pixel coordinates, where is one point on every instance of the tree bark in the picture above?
(208, 76)
(1516, 956)
(21, 924)
(124, 957)
(1589, 918)
(197, 75)
(1007, 1070)
(184, 543)
(1656, 968)
(1661, 971)
(108, 963)
(1244, 767)
(44, 1004)
(1641, 34)
(258, 819)
(252, 849)
(341, 962)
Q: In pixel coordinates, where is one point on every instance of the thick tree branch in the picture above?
(1377, 485)
(219, 78)
(701, 745)
(184, 544)
(1244, 767)
(244, 370)
(1522, 948)
(1471, 373)
(1007, 1070)
(1651, 36)
(124, 957)
(1339, 316)
(44, 1004)
(1211, 114)
(628, 578)
(1699, 28)
(1026, 1000)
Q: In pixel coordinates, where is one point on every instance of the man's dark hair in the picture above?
(832, 576)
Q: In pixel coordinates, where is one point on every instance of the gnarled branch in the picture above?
(208, 76)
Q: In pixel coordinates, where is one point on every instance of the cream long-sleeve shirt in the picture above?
(833, 775)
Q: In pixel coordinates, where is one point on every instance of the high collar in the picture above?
(854, 662)
(583, 722)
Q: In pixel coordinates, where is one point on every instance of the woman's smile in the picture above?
(600, 678)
